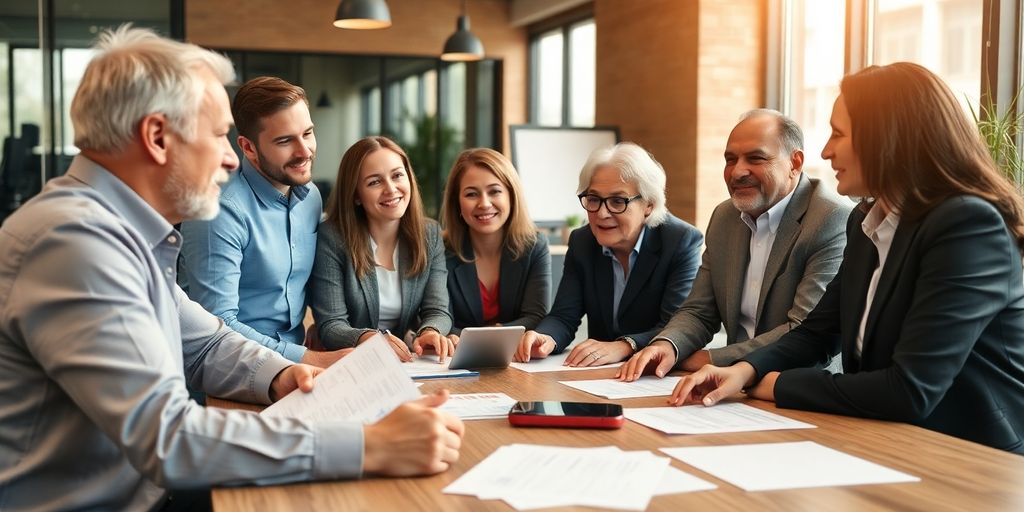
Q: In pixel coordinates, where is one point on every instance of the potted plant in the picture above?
(572, 222)
(1000, 132)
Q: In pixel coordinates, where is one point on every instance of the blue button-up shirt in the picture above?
(250, 265)
(96, 344)
(619, 274)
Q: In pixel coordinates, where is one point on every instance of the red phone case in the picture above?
(539, 420)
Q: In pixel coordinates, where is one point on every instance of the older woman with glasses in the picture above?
(628, 270)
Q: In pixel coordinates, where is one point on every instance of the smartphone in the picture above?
(566, 414)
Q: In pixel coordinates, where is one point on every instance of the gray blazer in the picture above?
(524, 287)
(345, 305)
(806, 254)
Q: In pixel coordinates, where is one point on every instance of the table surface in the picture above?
(955, 474)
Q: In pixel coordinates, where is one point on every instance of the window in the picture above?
(816, 50)
(562, 75)
(943, 35)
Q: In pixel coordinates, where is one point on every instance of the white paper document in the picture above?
(532, 476)
(427, 367)
(478, 406)
(363, 386)
(554, 364)
(763, 467)
(676, 481)
(615, 389)
(698, 419)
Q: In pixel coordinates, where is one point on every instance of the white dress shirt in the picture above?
(762, 236)
(881, 231)
(389, 292)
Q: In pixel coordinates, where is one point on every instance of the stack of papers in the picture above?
(363, 386)
(764, 467)
(427, 367)
(532, 476)
(479, 406)
(698, 419)
(615, 389)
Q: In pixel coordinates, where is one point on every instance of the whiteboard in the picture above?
(549, 161)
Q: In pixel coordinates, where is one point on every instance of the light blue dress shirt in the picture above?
(250, 265)
(96, 345)
(619, 275)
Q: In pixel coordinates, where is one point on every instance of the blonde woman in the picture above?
(499, 269)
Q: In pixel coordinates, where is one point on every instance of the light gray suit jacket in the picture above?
(346, 305)
(806, 254)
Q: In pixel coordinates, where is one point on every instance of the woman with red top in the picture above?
(499, 269)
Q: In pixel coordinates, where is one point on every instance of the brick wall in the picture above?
(674, 75)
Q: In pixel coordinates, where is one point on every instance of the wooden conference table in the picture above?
(955, 474)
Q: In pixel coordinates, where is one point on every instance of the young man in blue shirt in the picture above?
(250, 264)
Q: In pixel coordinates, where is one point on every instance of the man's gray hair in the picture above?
(635, 165)
(137, 73)
(789, 132)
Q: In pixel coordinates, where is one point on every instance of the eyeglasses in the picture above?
(615, 204)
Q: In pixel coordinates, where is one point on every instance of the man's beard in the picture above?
(193, 204)
(279, 174)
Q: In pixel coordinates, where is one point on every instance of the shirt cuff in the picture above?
(293, 352)
(670, 342)
(339, 450)
(265, 374)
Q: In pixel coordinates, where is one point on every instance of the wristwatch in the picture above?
(630, 341)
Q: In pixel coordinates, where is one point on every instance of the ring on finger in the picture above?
(595, 355)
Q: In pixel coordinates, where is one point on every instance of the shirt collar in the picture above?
(774, 214)
(878, 226)
(264, 189)
(153, 227)
(636, 247)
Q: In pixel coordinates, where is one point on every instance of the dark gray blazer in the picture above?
(660, 280)
(524, 284)
(944, 341)
(806, 254)
(345, 305)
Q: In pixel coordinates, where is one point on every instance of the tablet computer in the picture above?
(486, 347)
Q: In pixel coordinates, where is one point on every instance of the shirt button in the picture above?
(172, 239)
(169, 270)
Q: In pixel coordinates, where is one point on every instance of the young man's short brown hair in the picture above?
(259, 98)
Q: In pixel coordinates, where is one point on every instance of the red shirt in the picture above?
(489, 301)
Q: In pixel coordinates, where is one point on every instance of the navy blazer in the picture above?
(524, 287)
(943, 346)
(659, 282)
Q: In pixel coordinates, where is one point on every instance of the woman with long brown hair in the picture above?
(379, 263)
(499, 269)
(928, 306)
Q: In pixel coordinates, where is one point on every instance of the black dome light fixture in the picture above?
(462, 46)
(362, 14)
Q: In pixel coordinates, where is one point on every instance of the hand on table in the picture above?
(657, 357)
(711, 384)
(433, 340)
(534, 345)
(593, 352)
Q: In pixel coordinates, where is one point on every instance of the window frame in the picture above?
(563, 24)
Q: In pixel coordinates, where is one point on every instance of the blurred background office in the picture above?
(671, 75)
